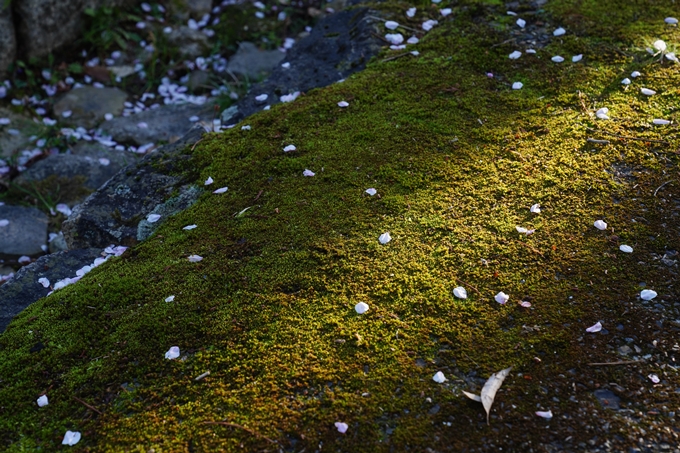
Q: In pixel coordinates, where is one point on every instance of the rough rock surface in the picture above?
(253, 63)
(24, 289)
(191, 43)
(88, 105)
(112, 213)
(25, 233)
(8, 43)
(93, 162)
(167, 123)
(15, 135)
(340, 45)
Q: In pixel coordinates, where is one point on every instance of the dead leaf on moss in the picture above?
(489, 391)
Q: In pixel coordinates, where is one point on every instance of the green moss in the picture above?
(457, 159)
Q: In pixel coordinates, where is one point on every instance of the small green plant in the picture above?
(106, 28)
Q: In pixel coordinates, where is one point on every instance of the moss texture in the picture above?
(457, 159)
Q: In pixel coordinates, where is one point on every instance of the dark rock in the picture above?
(112, 213)
(608, 399)
(167, 209)
(198, 80)
(23, 289)
(15, 135)
(26, 232)
(88, 105)
(190, 43)
(253, 63)
(167, 123)
(8, 43)
(339, 45)
(94, 163)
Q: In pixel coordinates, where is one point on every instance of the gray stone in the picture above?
(8, 43)
(89, 105)
(182, 9)
(198, 80)
(253, 63)
(26, 232)
(171, 207)
(58, 244)
(84, 162)
(112, 213)
(191, 43)
(167, 124)
(23, 289)
(608, 399)
(15, 135)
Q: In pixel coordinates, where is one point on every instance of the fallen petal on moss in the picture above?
(221, 190)
(190, 227)
(577, 58)
(385, 238)
(660, 122)
(647, 91)
(600, 225)
(289, 148)
(545, 414)
(626, 248)
(521, 23)
(343, 104)
(361, 308)
(536, 208)
(342, 427)
(371, 191)
(595, 327)
(391, 25)
(648, 294)
(602, 113)
(515, 55)
(195, 258)
(170, 298)
(439, 377)
(517, 85)
(557, 59)
(71, 438)
(309, 173)
(460, 292)
(501, 298)
(43, 401)
(172, 353)
(654, 378)
(208, 181)
(559, 31)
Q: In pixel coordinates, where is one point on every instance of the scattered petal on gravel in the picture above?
(521, 23)
(45, 282)
(309, 173)
(536, 208)
(385, 238)
(43, 401)
(517, 85)
(195, 258)
(654, 378)
(170, 298)
(285, 65)
(595, 327)
(647, 91)
(660, 122)
(515, 55)
(71, 438)
(289, 148)
(361, 308)
(221, 190)
(648, 294)
(460, 292)
(545, 414)
(190, 227)
(439, 377)
(501, 298)
(626, 248)
(371, 191)
(559, 32)
(172, 353)
(342, 427)
(577, 58)
(557, 59)
(343, 104)
(153, 218)
(600, 225)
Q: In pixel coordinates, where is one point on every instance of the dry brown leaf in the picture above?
(490, 388)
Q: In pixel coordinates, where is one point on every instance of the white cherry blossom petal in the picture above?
(361, 308)
(577, 58)
(557, 59)
(595, 327)
(517, 85)
(195, 258)
(153, 218)
(308, 173)
(221, 190)
(170, 298)
(559, 31)
(44, 282)
(501, 298)
(654, 378)
(208, 181)
(600, 225)
(660, 122)
(536, 208)
(71, 438)
(172, 353)
(671, 20)
(515, 55)
(371, 191)
(190, 227)
(648, 294)
(429, 24)
(521, 23)
(635, 74)
(460, 292)
(647, 91)
(545, 414)
(261, 97)
(391, 25)
(385, 238)
(625, 81)
(343, 104)
(289, 148)
(342, 427)
(445, 12)
(626, 248)
(43, 401)
(395, 38)
(660, 45)
(4, 222)
(439, 377)
(602, 113)
(411, 12)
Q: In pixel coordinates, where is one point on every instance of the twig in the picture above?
(202, 376)
(375, 35)
(467, 284)
(658, 188)
(395, 57)
(627, 362)
(501, 43)
(87, 405)
(235, 425)
(258, 195)
(599, 142)
(629, 138)
(195, 144)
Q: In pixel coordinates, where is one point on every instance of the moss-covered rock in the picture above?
(457, 158)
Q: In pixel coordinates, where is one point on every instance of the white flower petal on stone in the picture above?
(515, 55)
(195, 258)
(371, 191)
(654, 378)
(521, 23)
(559, 31)
(545, 414)
(648, 294)
(4, 222)
(600, 225)
(660, 45)
(445, 12)
(342, 427)
(343, 104)
(517, 85)
(557, 59)
(647, 91)
(385, 238)
(190, 227)
(45, 282)
(63, 208)
(208, 181)
(429, 24)
(501, 298)
(391, 25)
(577, 58)
(536, 208)
(221, 190)
(626, 81)
(308, 173)
(285, 65)
(172, 353)
(602, 113)
(660, 122)
(439, 377)
(153, 218)
(170, 298)
(289, 148)
(261, 97)
(626, 248)
(361, 308)
(24, 259)
(460, 292)
(71, 438)
(671, 20)
(43, 401)
(635, 74)
(104, 161)
(394, 38)
(595, 327)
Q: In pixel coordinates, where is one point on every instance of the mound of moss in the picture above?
(457, 158)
